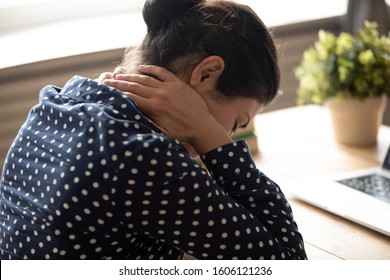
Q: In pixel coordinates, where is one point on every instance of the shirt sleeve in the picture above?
(231, 211)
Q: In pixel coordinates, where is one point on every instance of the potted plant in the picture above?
(351, 76)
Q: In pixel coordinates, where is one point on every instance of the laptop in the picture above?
(361, 196)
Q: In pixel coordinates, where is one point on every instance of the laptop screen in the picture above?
(386, 162)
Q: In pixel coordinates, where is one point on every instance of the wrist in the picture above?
(208, 137)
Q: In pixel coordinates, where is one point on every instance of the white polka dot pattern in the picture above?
(89, 177)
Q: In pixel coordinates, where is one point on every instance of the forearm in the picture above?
(234, 170)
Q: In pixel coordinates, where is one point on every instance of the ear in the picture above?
(207, 73)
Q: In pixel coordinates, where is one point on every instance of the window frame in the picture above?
(16, 18)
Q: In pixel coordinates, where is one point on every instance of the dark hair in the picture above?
(180, 28)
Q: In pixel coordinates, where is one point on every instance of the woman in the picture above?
(99, 174)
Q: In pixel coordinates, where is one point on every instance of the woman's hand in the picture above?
(174, 106)
(110, 75)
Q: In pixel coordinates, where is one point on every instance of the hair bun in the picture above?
(158, 13)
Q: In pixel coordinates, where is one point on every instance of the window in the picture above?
(21, 14)
(281, 12)
(33, 30)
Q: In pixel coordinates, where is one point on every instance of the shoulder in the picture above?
(154, 145)
(83, 90)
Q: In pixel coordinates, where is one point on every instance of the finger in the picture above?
(148, 108)
(159, 72)
(140, 79)
(135, 88)
(118, 70)
(105, 75)
(142, 103)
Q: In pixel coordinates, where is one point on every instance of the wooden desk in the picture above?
(298, 143)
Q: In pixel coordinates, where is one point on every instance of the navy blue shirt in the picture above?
(90, 177)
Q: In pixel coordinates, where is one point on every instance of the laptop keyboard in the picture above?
(373, 184)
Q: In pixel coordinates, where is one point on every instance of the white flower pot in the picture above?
(356, 122)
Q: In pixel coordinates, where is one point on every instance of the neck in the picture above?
(131, 61)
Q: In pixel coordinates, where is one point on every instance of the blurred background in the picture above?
(48, 41)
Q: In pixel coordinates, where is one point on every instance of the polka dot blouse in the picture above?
(90, 177)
